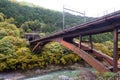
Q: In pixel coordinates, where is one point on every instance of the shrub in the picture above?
(6, 47)
(56, 54)
(3, 33)
(23, 51)
(104, 47)
(11, 29)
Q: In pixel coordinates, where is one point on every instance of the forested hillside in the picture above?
(49, 19)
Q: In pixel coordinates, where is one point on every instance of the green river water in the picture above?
(55, 75)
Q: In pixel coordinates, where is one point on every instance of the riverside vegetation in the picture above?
(15, 53)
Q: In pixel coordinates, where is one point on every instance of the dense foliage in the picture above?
(15, 52)
(52, 54)
(105, 47)
(56, 54)
(23, 12)
(30, 26)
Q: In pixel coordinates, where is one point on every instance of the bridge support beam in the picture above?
(115, 51)
(91, 45)
(80, 41)
(98, 54)
(89, 42)
(35, 46)
(89, 59)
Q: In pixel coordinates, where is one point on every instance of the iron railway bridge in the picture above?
(107, 23)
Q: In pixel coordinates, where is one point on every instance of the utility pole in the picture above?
(82, 13)
(84, 17)
(63, 18)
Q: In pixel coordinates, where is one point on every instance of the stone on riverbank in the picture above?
(63, 77)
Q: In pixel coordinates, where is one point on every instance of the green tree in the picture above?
(31, 25)
(2, 17)
(10, 20)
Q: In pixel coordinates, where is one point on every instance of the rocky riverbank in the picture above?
(20, 74)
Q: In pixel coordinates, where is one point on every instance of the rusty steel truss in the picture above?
(98, 60)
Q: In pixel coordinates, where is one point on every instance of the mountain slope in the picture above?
(21, 13)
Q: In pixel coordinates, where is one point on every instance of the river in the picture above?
(55, 75)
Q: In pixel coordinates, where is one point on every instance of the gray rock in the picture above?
(71, 79)
(37, 71)
(63, 77)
